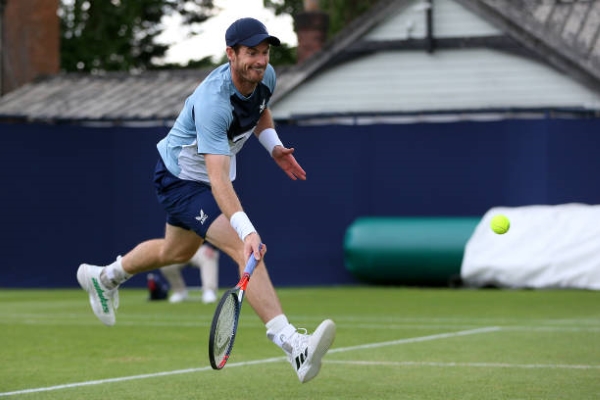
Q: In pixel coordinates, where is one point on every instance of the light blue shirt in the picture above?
(215, 119)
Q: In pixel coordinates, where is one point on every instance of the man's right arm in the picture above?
(218, 173)
(217, 166)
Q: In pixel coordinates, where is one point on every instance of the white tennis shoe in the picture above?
(209, 296)
(104, 301)
(306, 351)
(178, 297)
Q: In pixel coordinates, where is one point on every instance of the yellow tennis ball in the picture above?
(500, 224)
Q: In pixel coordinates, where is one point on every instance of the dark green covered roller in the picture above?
(425, 251)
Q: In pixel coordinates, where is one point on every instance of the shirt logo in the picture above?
(263, 106)
(202, 217)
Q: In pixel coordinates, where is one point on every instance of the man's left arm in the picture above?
(268, 137)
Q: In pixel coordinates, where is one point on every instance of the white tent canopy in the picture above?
(546, 247)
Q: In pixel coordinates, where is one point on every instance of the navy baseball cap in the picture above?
(248, 32)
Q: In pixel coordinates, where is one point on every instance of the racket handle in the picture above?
(252, 262)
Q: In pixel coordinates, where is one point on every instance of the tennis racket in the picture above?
(225, 321)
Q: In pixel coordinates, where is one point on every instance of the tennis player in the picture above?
(193, 180)
(206, 260)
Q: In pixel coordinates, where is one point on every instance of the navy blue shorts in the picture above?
(189, 205)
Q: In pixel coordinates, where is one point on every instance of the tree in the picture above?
(282, 55)
(111, 35)
(290, 7)
(341, 12)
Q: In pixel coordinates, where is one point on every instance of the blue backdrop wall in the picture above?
(73, 194)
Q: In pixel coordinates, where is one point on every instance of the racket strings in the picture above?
(225, 328)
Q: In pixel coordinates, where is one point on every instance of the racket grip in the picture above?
(252, 262)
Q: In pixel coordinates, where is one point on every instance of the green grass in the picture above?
(392, 343)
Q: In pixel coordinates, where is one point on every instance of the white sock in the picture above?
(279, 330)
(114, 274)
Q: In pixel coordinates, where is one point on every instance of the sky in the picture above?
(211, 41)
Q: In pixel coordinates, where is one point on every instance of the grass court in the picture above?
(392, 343)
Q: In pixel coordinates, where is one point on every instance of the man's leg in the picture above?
(304, 351)
(102, 283)
(174, 278)
(177, 247)
(260, 294)
(207, 260)
(172, 274)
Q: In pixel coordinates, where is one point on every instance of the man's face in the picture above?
(249, 63)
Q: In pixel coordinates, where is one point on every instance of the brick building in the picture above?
(29, 41)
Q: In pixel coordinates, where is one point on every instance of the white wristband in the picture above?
(242, 225)
(269, 139)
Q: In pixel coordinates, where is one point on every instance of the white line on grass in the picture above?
(263, 361)
(386, 326)
(101, 381)
(468, 365)
(135, 377)
(389, 323)
(418, 339)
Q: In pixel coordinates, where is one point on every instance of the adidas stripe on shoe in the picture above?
(306, 351)
(103, 301)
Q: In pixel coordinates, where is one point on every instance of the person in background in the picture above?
(194, 183)
(207, 260)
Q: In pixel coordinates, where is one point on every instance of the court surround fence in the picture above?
(75, 194)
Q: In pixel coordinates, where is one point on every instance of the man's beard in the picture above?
(251, 75)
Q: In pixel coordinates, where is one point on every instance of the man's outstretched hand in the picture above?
(287, 162)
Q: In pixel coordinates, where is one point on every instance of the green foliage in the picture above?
(341, 12)
(283, 55)
(206, 62)
(290, 7)
(279, 56)
(120, 35)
